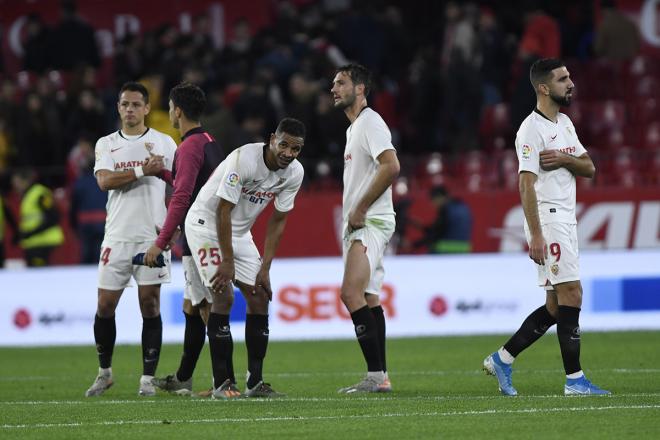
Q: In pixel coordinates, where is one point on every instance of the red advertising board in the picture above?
(607, 219)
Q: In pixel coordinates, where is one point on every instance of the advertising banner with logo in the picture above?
(422, 295)
(614, 218)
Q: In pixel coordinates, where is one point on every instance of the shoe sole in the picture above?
(98, 393)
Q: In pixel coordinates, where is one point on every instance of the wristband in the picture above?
(139, 172)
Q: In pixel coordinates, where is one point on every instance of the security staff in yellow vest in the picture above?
(39, 229)
(6, 218)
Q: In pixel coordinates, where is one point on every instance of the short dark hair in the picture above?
(541, 70)
(190, 99)
(291, 126)
(133, 86)
(359, 75)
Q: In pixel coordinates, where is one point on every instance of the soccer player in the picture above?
(218, 231)
(550, 155)
(370, 167)
(194, 161)
(127, 162)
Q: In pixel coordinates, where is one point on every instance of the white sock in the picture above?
(576, 375)
(146, 378)
(106, 372)
(505, 356)
(378, 375)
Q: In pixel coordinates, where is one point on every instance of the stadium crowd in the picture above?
(451, 76)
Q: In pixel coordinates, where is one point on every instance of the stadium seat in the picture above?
(605, 116)
(651, 136)
(495, 120)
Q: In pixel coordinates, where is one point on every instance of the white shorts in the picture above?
(207, 255)
(374, 236)
(116, 266)
(194, 290)
(562, 264)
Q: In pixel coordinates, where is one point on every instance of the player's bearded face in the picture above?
(562, 100)
(346, 100)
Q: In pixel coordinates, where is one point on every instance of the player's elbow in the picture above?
(103, 184)
(590, 171)
(393, 169)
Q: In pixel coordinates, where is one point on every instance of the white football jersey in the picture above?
(244, 180)
(555, 190)
(366, 138)
(136, 209)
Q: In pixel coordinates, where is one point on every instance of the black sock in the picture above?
(379, 316)
(221, 346)
(256, 342)
(105, 333)
(193, 342)
(534, 326)
(152, 339)
(367, 336)
(568, 332)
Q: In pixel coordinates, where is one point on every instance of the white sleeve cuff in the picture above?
(139, 172)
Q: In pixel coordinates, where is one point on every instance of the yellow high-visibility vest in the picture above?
(32, 216)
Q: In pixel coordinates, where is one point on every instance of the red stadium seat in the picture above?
(651, 136)
(495, 120)
(605, 116)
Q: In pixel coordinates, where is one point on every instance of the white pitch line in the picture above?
(181, 399)
(359, 373)
(310, 418)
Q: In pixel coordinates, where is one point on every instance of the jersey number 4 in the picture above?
(105, 255)
(213, 254)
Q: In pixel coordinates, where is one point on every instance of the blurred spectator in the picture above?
(87, 210)
(540, 39)
(39, 229)
(86, 115)
(73, 42)
(495, 58)
(38, 133)
(462, 84)
(6, 219)
(37, 45)
(451, 232)
(617, 37)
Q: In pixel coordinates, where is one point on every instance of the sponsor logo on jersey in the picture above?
(526, 152)
(232, 179)
(129, 164)
(568, 150)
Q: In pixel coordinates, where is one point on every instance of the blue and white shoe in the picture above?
(582, 387)
(494, 366)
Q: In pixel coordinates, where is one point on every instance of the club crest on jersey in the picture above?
(232, 179)
(149, 146)
(526, 152)
(554, 269)
(281, 181)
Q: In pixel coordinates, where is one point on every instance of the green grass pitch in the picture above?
(439, 392)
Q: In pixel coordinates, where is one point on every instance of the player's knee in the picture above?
(106, 307)
(257, 304)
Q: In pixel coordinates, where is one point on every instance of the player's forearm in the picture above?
(580, 166)
(529, 202)
(274, 232)
(108, 180)
(383, 179)
(224, 230)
